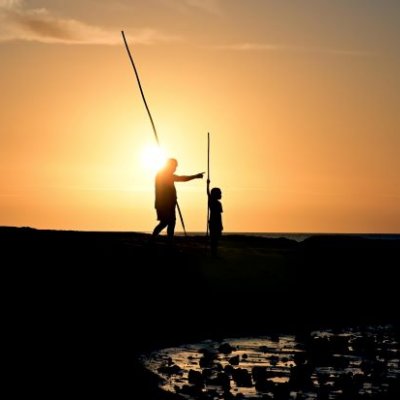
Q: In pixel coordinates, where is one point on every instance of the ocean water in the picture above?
(300, 236)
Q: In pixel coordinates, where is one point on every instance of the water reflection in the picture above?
(346, 364)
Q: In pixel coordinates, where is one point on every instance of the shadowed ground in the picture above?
(81, 305)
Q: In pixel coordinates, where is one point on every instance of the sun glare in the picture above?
(153, 158)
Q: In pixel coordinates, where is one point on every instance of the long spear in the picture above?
(208, 178)
(148, 112)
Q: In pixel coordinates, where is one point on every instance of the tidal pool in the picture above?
(350, 363)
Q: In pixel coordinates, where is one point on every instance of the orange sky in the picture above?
(301, 100)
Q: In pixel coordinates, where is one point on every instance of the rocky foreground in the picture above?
(338, 364)
(81, 306)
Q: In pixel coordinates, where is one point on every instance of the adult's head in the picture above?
(171, 164)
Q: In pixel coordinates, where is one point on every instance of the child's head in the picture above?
(216, 193)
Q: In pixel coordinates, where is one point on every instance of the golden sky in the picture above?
(301, 99)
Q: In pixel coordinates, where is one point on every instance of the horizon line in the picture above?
(197, 233)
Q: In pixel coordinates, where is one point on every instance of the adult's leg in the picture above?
(171, 229)
(160, 227)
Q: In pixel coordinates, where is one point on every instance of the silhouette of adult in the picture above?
(215, 220)
(166, 197)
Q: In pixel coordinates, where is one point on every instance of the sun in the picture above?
(152, 158)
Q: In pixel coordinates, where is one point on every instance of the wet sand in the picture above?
(82, 305)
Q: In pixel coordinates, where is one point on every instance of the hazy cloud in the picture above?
(209, 6)
(249, 47)
(19, 23)
(276, 47)
(10, 3)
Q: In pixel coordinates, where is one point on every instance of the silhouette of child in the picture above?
(215, 221)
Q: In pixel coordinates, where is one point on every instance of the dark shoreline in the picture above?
(83, 305)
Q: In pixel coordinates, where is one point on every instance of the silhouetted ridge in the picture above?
(83, 305)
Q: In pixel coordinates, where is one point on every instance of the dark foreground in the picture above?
(80, 306)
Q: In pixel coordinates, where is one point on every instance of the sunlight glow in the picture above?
(152, 158)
